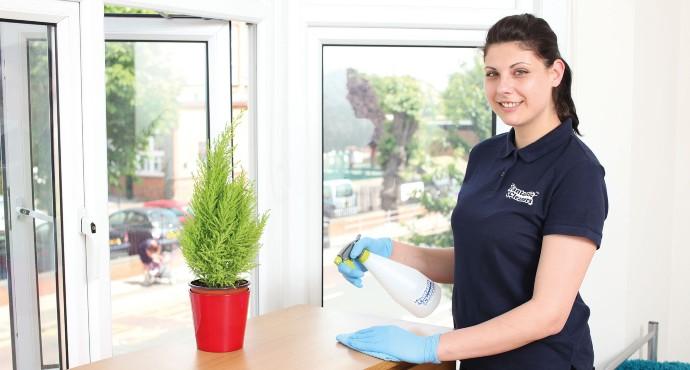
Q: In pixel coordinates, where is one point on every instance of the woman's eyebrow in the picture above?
(511, 66)
(514, 64)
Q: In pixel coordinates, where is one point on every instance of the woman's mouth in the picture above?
(509, 104)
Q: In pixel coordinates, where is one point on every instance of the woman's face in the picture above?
(518, 85)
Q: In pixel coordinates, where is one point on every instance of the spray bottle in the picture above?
(407, 286)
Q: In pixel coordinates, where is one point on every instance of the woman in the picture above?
(526, 225)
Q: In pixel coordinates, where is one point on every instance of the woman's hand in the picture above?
(393, 343)
(353, 273)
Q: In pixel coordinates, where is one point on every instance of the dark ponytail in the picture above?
(535, 34)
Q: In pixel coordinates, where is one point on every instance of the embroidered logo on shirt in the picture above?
(521, 195)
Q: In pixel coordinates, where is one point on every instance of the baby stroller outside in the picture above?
(156, 262)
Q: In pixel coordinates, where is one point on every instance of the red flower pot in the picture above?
(220, 316)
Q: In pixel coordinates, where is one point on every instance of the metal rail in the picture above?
(651, 338)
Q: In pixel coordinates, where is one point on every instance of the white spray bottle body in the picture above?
(407, 286)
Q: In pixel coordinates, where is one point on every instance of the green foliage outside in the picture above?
(464, 99)
(433, 153)
(138, 107)
(221, 239)
(401, 94)
(440, 199)
(397, 95)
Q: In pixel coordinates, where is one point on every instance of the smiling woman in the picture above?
(528, 219)
(518, 86)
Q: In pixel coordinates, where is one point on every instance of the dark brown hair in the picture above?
(535, 34)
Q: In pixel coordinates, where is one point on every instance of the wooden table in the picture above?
(299, 337)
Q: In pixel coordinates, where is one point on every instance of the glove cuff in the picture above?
(388, 242)
(430, 349)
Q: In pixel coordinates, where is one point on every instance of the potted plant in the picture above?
(220, 241)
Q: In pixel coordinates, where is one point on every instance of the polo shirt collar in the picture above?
(552, 140)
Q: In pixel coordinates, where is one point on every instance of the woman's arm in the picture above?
(562, 266)
(437, 264)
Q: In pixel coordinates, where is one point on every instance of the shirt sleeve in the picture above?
(579, 204)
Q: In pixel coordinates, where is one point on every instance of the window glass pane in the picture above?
(5, 328)
(240, 77)
(157, 124)
(38, 59)
(239, 42)
(26, 123)
(398, 125)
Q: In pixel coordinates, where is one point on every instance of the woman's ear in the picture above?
(557, 69)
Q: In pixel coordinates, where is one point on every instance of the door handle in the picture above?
(35, 214)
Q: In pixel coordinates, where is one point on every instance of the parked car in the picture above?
(177, 207)
(339, 198)
(130, 227)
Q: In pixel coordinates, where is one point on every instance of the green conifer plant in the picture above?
(220, 240)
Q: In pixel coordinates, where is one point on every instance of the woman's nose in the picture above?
(505, 85)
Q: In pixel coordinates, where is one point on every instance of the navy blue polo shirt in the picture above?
(509, 200)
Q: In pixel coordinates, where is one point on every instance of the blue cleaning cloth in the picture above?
(345, 339)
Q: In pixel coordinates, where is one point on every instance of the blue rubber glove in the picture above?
(382, 247)
(393, 343)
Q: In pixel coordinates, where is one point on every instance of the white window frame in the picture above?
(21, 243)
(99, 343)
(87, 265)
(216, 35)
(66, 17)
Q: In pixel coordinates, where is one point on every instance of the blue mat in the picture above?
(651, 365)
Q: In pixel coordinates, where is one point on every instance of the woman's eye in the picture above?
(521, 72)
(490, 74)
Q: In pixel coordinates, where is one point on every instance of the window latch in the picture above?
(35, 214)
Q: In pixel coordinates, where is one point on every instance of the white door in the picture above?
(168, 91)
(42, 257)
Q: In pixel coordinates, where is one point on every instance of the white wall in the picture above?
(678, 338)
(628, 81)
(597, 90)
